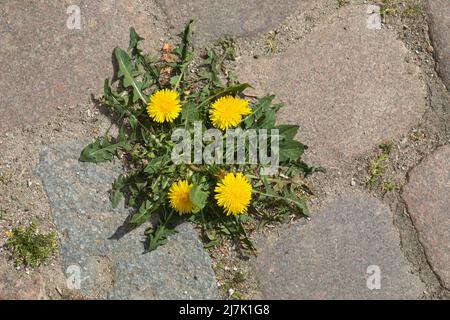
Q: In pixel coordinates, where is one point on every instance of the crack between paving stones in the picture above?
(435, 54)
(422, 266)
(423, 251)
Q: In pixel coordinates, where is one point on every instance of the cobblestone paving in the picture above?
(349, 86)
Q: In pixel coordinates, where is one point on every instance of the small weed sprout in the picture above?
(377, 167)
(387, 186)
(2, 213)
(29, 247)
(342, 3)
(404, 9)
(4, 179)
(232, 284)
(271, 43)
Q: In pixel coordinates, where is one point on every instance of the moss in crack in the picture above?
(403, 9)
(232, 284)
(387, 186)
(376, 169)
(271, 43)
(2, 213)
(4, 179)
(342, 3)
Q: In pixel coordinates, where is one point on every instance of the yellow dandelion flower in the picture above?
(234, 193)
(179, 197)
(164, 105)
(227, 112)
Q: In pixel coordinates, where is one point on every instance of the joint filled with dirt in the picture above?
(422, 140)
(409, 21)
(20, 149)
(432, 132)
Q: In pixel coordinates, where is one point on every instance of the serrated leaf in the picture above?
(121, 136)
(134, 124)
(116, 197)
(287, 131)
(108, 93)
(186, 42)
(299, 203)
(225, 230)
(174, 80)
(291, 150)
(229, 90)
(101, 150)
(212, 63)
(143, 214)
(269, 190)
(212, 244)
(198, 196)
(126, 73)
(159, 235)
(156, 165)
(189, 113)
(269, 120)
(211, 235)
(134, 39)
(259, 109)
(233, 89)
(116, 192)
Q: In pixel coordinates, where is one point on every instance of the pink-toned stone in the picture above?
(439, 11)
(45, 65)
(17, 285)
(329, 256)
(427, 196)
(348, 87)
(216, 18)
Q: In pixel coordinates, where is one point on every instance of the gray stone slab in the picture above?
(439, 13)
(116, 269)
(347, 86)
(47, 65)
(230, 17)
(328, 258)
(427, 195)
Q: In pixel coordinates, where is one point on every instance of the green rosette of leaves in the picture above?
(205, 194)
